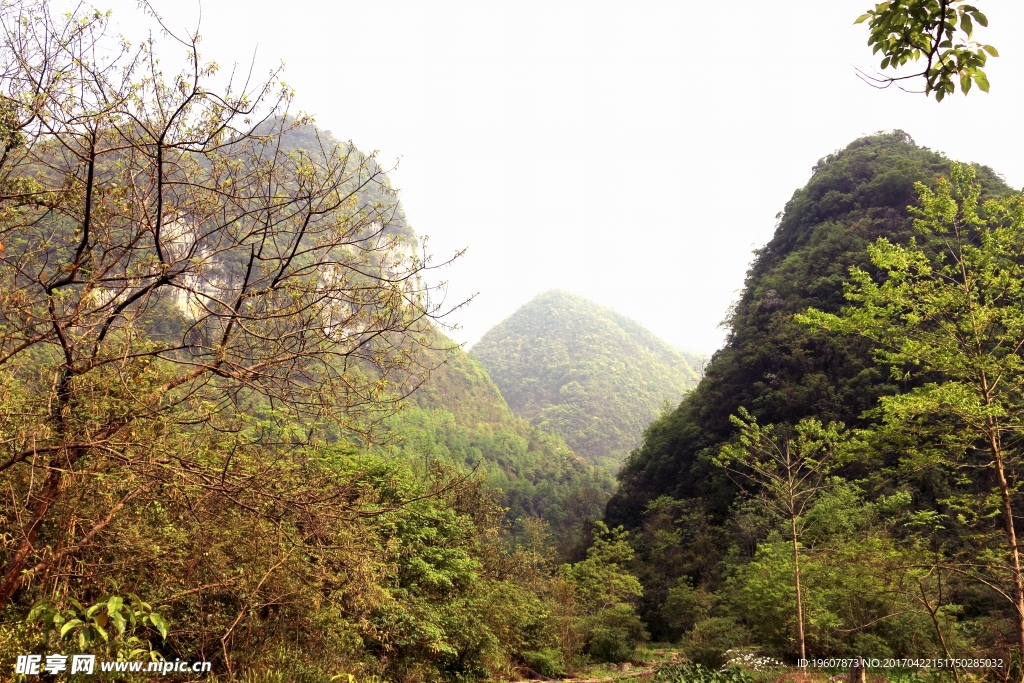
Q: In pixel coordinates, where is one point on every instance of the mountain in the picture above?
(459, 418)
(779, 370)
(584, 372)
(774, 367)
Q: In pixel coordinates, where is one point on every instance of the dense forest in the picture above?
(233, 431)
(584, 372)
(898, 539)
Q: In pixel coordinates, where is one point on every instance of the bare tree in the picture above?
(171, 258)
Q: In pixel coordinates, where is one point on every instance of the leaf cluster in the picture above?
(940, 32)
(111, 618)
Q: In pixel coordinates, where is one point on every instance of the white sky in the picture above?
(634, 153)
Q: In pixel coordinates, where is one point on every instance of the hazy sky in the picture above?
(634, 153)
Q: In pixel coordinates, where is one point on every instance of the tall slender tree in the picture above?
(787, 469)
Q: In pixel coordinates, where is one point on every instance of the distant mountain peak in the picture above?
(585, 372)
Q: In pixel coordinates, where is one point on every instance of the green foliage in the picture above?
(685, 606)
(605, 590)
(947, 316)
(613, 633)
(110, 618)
(584, 372)
(885, 547)
(420, 585)
(206, 323)
(953, 305)
(939, 32)
(855, 571)
(547, 662)
(459, 418)
(695, 672)
(711, 638)
(787, 469)
(602, 579)
(459, 384)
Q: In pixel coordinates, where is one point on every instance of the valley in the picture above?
(239, 442)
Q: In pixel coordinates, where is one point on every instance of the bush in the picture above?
(613, 634)
(710, 638)
(691, 672)
(546, 662)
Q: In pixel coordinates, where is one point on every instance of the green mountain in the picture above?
(779, 370)
(458, 417)
(584, 372)
(776, 368)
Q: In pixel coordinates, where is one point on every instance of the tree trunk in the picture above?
(934, 613)
(13, 574)
(799, 596)
(61, 461)
(858, 673)
(1011, 533)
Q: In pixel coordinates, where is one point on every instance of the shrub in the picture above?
(691, 672)
(546, 662)
(613, 634)
(710, 639)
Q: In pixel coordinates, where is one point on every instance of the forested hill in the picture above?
(776, 368)
(584, 372)
(459, 418)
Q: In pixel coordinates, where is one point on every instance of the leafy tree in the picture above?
(939, 32)
(687, 519)
(788, 471)
(949, 310)
(770, 364)
(534, 474)
(861, 583)
(605, 589)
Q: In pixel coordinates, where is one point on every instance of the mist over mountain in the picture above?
(584, 372)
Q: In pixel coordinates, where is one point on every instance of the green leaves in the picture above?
(602, 579)
(788, 466)
(607, 589)
(68, 626)
(938, 33)
(691, 672)
(159, 623)
(110, 619)
(950, 301)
